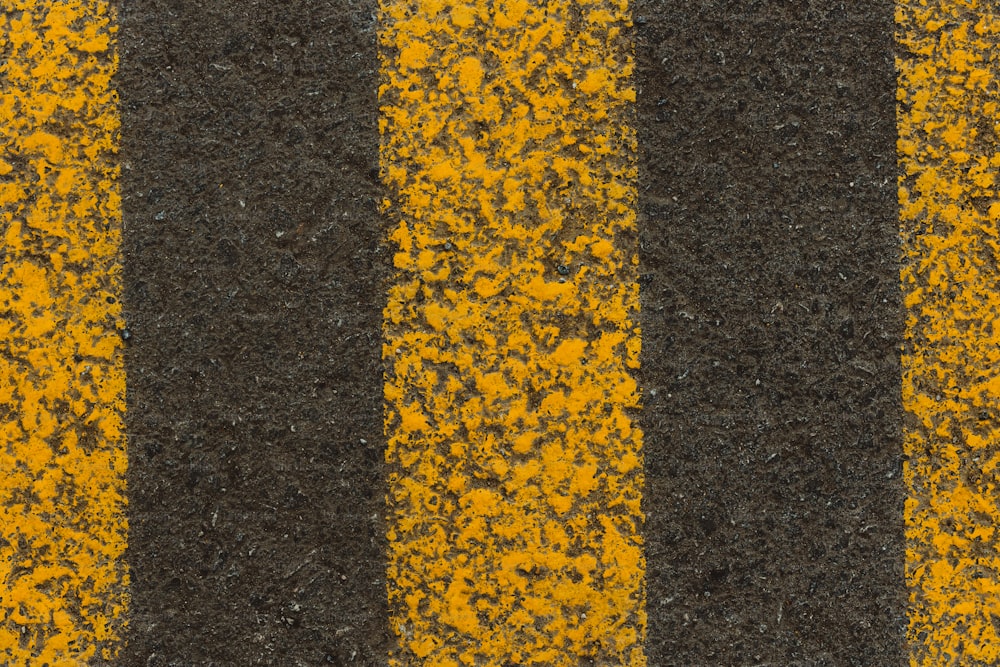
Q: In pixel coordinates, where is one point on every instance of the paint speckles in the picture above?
(515, 467)
(62, 450)
(949, 155)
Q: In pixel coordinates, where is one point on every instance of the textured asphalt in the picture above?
(253, 293)
(254, 285)
(771, 322)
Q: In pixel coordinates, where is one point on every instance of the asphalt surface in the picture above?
(771, 319)
(253, 291)
(254, 286)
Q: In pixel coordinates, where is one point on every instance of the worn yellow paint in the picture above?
(949, 94)
(515, 466)
(63, 584)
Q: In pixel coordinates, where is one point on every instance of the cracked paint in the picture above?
(515, 464)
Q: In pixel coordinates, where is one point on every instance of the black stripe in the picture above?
(253, 293)
(771, 323)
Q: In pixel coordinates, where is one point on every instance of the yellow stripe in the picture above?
(515, 466)
(950, 207)
(62, 450)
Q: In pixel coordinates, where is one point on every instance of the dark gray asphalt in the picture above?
(252, 255)
(771, 323)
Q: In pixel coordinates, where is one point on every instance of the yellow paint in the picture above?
(63, 584)
(949, 202)
(515, 468)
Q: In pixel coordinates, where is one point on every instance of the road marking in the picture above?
(515, 466)
(63, 583)
(948, 154)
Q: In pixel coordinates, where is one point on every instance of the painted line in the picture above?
(515, 468)
(948, 156)
(63, 584)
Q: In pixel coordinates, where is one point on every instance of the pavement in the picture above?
(455, 332)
